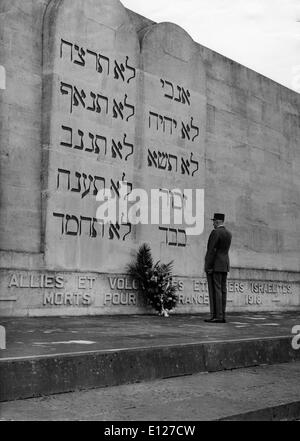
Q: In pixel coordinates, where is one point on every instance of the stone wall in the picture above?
(96, 94)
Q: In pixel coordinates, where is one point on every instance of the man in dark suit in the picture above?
(217, 267)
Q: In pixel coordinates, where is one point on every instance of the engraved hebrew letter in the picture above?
(115, 187)
(81, 55)
(94, 54)
(99, 65)
(93, 108)
(177, 199)
(92, 138)
(171, 157)
(170, 120)
(155, 116)
(79, 97)
(183, 241)
(118, 110)
(70, 45)
(70, 219)
(86, 219)
(130, 187)
(114, 231)
(173, 243)
(62, 217)
(97, 148)
(96, 233)
(116, 149)
(129, 226)
(185, 131)
(171, 94)
(185, 166)
(162, 122)
(197, 130)
(63, 172)
(103, 98)
(196, 163)
(98, 179)
(133, 70)
(81, 146)
(119, 71)
(67, 89)
(87, 189)
(162, 160)
(70, 142)
(78, 189)
(178, 99)
(168, 193)
(186, 96)
(127, 144)
(165, 230)
(152, 159)
(129, 106)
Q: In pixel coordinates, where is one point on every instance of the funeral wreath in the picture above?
(155, 281)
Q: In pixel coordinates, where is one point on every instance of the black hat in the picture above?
(219, 216)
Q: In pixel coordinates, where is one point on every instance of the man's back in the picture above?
(217, 257)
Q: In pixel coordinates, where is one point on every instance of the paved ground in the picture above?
(28, 337)
(195, 398)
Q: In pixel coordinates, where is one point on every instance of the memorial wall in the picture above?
(97, 96)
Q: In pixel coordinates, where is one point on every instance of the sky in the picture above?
(263, 35)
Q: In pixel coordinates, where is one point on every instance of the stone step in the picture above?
(262, 393)
(282, 412)
(34, 376)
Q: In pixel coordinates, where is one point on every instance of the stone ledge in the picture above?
(48, 375)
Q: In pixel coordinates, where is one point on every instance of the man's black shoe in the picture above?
(218, 321)
(210, 320)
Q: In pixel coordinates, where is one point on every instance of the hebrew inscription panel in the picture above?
(173, 120)
(91, 56)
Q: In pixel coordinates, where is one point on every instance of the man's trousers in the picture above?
(217, 288)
